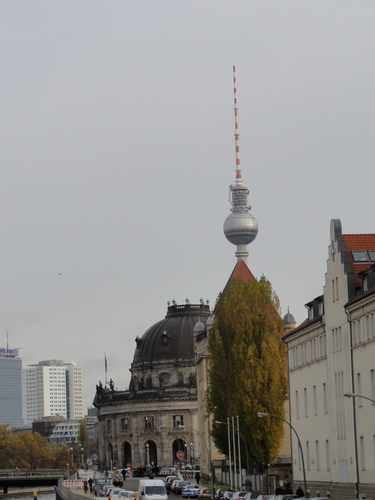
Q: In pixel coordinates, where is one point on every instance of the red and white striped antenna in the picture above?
(236, 133)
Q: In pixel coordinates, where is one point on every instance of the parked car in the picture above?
(220, 493)
(227, 495)
(239, 495)
(173, 483)
(138, 472)
(180, 485)
(169, 480)
(251, 496)
(205, 493)
(266, 497)
(127, 494)
(167, 471)
(190, 491)
(286, 497)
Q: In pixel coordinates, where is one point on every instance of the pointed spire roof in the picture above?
(241, 272)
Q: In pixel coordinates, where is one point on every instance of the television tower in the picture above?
(240, 227)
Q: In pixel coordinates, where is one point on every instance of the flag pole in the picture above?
(105, 368)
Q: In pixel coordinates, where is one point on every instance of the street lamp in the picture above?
(243, 439)
(260, 414)
(147, 455)
(82, 450)
(192, 454)
(208, 457)
(354, 395)
(71, 457)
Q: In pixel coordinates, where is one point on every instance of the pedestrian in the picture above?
(299, 492)
(90, 482)
(123, 472)
(85, 487)
(197, 478)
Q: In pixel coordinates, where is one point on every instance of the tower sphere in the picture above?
(240, 228)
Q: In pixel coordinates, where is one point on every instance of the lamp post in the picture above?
(260, 414)
(82, 450)
(353, 395)
(192, 454)
(71, 457)
(147, 455)
(243, 439)
(208, 458)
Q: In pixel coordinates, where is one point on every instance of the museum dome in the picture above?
(173, 337)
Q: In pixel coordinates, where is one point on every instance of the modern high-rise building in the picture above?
(10, 387)
(51, 388)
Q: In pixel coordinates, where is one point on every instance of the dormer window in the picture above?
(311, 312)
(363, 255)
(165, 338)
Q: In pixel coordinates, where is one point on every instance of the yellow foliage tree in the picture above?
(248, 367)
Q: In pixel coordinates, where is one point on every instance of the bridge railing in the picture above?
(32, 472)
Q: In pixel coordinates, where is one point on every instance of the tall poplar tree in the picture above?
(248, 367)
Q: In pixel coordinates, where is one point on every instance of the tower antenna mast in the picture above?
(240, 227)
(236, 132)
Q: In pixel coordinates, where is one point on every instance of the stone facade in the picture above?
(332, 354)
(158, 415)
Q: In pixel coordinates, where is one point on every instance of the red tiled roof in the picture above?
(241, 272)
(358, 242)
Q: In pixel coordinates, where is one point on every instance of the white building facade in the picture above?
(52, 388)
(331, 354)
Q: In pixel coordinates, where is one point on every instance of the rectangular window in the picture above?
(328, 456)
(362, 452)
(125, 424)
(305, 400)
(317, 457)
(315, 401)
(308, 455)
(372, 382)
(313, 353)
(359, 390)
(178, 420)
(149, 423)
(359, 332)
(333, 291)
(337, 289)
(297, 405)
(354, 332)
(368, 329)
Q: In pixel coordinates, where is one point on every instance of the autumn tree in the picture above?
(30, 449)
(83, 433)
(248, 368)
(6, 451)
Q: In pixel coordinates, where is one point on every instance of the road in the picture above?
(131, 483)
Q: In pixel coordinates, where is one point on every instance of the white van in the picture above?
(152, 489)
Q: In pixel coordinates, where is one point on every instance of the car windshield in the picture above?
(155, 490)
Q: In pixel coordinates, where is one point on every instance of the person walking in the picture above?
(300, 492)
(197, 478)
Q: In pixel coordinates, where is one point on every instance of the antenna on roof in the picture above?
(236, 132)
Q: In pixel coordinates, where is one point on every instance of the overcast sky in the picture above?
(117, 151)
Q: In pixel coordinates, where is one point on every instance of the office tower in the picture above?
(10, 387)
(50, 388)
